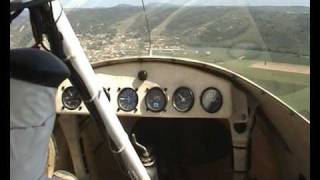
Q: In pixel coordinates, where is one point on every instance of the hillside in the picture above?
(278, 29)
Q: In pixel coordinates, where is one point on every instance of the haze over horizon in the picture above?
(111, 3)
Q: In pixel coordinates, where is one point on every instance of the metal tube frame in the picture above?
(80, 62)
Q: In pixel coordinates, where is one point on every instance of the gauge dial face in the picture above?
(156, 100)
(71, 98)
(183, 99)
(211, 100)
(127, 99)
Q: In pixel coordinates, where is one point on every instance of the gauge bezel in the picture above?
(202, 94)
(174, 102)
(135, 92)
(165, 99)
(63, 102)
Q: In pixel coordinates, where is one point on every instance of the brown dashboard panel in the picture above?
(167, 76)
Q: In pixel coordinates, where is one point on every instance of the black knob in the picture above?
(142, 75)
(240, 127)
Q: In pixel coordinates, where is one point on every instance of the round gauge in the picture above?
(127, 99)
(156, 99)
(71, 98)
(183, 99)
(211, 100)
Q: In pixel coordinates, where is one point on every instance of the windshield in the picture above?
(266, 41)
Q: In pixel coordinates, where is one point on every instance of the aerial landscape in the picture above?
(269, 45)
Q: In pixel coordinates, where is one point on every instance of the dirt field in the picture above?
(303, 69)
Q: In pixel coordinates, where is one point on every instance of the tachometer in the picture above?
(211, 100)
(156, 99)
(71, 98)
(183, 99)
(127, 99)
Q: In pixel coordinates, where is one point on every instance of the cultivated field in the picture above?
(290, 82)
(285, 67)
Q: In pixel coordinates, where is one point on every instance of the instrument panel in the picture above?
(168, 90)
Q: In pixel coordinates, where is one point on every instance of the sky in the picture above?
(110, 3)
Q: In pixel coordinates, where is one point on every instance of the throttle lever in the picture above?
(148, 160)
(145, 152)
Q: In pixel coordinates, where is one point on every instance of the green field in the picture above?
(292, 88)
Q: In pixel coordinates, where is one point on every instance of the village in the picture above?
(100, 47)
